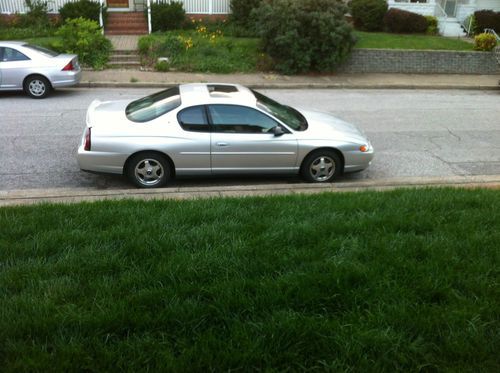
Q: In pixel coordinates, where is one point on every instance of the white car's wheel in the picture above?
(321, 166)
(37, 86)
(148, 170)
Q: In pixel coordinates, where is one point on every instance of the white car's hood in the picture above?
(326, 125)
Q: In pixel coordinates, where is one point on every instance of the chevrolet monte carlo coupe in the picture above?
(35, 70)
(216, 129)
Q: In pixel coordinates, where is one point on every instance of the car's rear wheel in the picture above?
(322, 166)
(37, 86)
(148, 170)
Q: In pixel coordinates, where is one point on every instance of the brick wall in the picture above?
(420, 62)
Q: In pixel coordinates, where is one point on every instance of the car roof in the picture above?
(12, 43)
(221, 93)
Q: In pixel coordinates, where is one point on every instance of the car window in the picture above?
(11, 54)
(286, 114)
(153, 106)
(194, 119)
(239, 119)
(42, 50)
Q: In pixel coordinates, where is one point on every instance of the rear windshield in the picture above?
(153, 106)
(42, 50)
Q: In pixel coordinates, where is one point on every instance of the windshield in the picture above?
(44, 51)
(153, 106)
(286, 114)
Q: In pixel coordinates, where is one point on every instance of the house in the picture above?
(126, 16)
(451, 14)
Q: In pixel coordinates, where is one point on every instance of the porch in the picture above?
(451, 14)
(208, 7)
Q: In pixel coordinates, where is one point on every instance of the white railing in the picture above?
(19, 6)
(190, 6)
(202, 7)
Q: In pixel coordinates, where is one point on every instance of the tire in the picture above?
(37, 86)
(321, 166)
(148, 170)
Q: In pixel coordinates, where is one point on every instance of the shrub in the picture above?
(151, 48)
(83, 37)
(432, 25)
(82, 8)
(241, 13)
(487, 19)
(304, 35)
(167, 16)
(485, 42)
(37, 14)
(401, 21)
(368, 15)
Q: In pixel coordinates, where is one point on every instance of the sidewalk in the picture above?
(142, 79)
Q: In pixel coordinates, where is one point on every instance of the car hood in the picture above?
(326, 125)
(107, 113)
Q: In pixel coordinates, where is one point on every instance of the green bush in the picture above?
(84, 37)
(432, 25)
(167, 16)
(368, 15)
(401, 21)
(487, 19)
(36, 16)
(305, 35)
(485, 42)
(152, 47)
(241, 13)
(82, 8)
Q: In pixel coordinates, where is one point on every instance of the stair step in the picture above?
(126, 32)
(126, 52)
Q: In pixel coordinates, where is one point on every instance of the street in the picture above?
(415, 133)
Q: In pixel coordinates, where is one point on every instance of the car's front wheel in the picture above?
(148, 170)
(37, 86)
(321, 166)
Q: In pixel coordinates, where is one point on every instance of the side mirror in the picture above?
(278, 131)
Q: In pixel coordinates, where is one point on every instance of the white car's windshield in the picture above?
(286, 114)
(42, 50)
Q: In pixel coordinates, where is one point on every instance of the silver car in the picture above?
(215, 129)
(36, 70)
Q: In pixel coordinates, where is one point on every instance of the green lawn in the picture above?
(384, 40)
(395, 281)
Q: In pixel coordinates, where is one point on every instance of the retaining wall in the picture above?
(420, 62)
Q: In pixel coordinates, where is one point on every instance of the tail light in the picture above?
(69, 67)
(86, 141)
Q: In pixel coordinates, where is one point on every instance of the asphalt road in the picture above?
(416, 133)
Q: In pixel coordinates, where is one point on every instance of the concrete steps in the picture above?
(126, 23)
(125, 59)
(451, 27)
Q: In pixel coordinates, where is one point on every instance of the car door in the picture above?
(14, 66)
(244, 141)
(193, 151)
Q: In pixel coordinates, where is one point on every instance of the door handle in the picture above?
(221, 144)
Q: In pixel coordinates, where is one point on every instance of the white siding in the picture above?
(488, 4)
(190, 6)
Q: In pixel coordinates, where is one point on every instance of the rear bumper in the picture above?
(66, 79)
(100, 162)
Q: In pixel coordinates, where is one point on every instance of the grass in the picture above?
(382, 40)
(402, 280)
(202, 51)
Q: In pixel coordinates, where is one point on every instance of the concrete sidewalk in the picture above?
(74, 195)
(142, 79)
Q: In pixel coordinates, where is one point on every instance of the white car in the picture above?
(215, 129)
(36, 70)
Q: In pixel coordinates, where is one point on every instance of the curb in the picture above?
(36, 196)
(297, 86)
